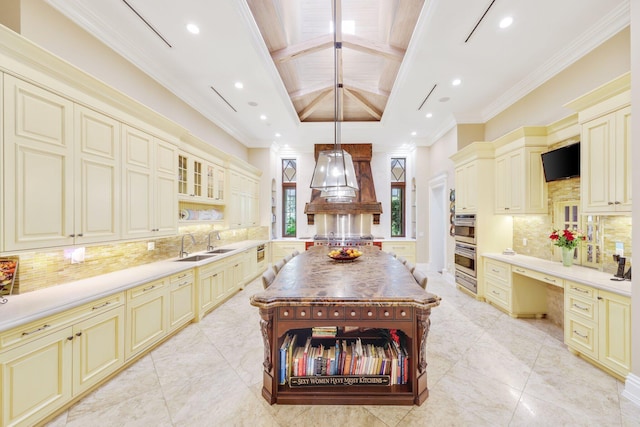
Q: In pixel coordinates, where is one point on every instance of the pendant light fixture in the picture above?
(334, 174)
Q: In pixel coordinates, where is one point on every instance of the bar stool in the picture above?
(402, 259)
(421, 278)
(268, 277)
(410, 266)
(288, 258)
(278, 266)
(295, 253)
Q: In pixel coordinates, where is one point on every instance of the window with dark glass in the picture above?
(398, 191)
(288, 198)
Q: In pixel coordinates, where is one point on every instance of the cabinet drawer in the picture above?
(498, 294)
(497, 270)
(581, 335)
(581, 307)
(582, 291)
(403, 313)
(146, 289)
(547, 278)
(182, 277)
(321, 313)
(30, 331)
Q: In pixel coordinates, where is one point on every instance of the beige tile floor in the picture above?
(485, 369)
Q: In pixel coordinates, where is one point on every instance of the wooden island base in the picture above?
(388, 299)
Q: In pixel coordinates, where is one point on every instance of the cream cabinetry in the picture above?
(516, 290)
(466, 178)
(282, 248)
(181, 299)
(606, 163)
(211, 279)
(244, 203)
(402, 248)
(605, 147)
(200, 179)
(43, 365)
(520, 186)
(147, 316)
(61, 170)
(150, 185)
(598, 325)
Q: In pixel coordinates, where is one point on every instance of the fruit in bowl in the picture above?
(345, 253)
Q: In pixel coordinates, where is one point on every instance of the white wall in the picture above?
(49, 29)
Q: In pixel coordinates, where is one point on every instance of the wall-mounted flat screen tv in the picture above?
(561, 163)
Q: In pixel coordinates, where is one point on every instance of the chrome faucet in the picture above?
(184, 253)
(210, 247)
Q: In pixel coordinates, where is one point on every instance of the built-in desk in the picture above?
(597, 310)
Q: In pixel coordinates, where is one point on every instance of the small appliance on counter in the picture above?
(620, 274)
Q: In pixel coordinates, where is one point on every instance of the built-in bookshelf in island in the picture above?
(373, 303)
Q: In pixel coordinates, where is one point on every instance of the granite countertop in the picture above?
(28, 307)
(375, 278)
(576, 273)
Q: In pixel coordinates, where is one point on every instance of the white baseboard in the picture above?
(632, 388)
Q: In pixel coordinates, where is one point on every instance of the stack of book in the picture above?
(324, 331)
(342, 357)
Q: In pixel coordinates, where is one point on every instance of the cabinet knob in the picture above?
(286, 313)
(403, 313)
(80, 235)
(303, 313)
(79, 334)
(369, 313)
(70, 338)
(319, 313)
(386, 314)
(353, 313)
(336, 313)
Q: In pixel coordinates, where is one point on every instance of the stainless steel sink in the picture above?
(220, 251)
(193, 258)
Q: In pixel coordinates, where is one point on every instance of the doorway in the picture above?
(438, 223)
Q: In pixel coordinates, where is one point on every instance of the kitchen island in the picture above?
(373, 294)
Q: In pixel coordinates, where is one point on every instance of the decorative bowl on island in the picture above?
(344, 254)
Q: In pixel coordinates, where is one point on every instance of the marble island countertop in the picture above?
(374, 279)
(576, 273)
(24, 308)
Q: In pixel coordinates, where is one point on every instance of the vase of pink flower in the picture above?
(568, 240)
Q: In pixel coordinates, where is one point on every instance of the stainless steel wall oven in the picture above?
(465, 257)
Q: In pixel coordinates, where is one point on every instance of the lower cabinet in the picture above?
(516, 290)
(282, 248)
(147, 316)
(58, 360)
(211, 280)
(598, 326)
(181, 299)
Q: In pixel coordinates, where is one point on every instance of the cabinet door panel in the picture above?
(98, 348)
(615, 332)
(37, 167)
(147, 322)
(97, 177)
(181, 304)
(624, 160)
(596, 136)
(36, 378)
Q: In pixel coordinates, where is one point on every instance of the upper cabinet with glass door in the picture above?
(201, 179)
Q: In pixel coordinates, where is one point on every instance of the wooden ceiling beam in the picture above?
(314, 104)
(319, 87)
(295, 51)
(358, 87)
(372, 47)
(368, 107)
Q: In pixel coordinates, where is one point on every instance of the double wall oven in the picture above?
(465, 256)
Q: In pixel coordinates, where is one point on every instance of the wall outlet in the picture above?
(524, 241)
(619, 249)
(151, 246)
(76, 255)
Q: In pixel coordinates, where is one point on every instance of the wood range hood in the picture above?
(365, 201)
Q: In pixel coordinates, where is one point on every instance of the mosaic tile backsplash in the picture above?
(537, 228)
(42, 269)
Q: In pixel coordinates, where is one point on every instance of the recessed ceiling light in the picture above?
(456, 82)
(506, 22)
(193, 28)
(239, 85)
(263, 117)
(429, 115)
(253, 103)
(414, 133)
(444, 99)
(278, 135)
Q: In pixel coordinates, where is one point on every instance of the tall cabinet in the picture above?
(605, 150)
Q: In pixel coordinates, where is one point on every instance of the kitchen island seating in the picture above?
(278, 266)
(361, 301)
(267, 277)
(421, 278)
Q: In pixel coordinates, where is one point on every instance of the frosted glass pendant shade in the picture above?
(335, 175)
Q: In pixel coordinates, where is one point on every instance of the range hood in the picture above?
(365, 201)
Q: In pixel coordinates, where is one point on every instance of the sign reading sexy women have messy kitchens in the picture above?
(339, 380)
